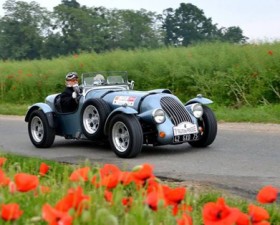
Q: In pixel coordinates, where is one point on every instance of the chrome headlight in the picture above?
(159, 115)
(197, 110)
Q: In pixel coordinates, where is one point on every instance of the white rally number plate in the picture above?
(185, 128)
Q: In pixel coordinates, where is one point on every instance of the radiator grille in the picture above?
(175, 110)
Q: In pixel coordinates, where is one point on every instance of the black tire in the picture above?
(40, 133)
(209, 125)
(93, 116)
(125, 135)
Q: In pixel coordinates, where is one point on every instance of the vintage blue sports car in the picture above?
(109, 109)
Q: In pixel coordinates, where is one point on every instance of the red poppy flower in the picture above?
(127, 201)
(4, 181)
(243, 219)
(109, 169)
(181, 208)
(143, 172)
(154, 198)
(153, 185)
(270, 52)
(44, 189)
(257, 214)
(44, 168)
(174, 196)
(95, 181)
(74, 199)
(218, 213)
(125, 177)
(10, 211)
(184, 220)
(55, 217)
(267, 194)
(108, 195)
(262, 223)
(12, 187)
(80, 174)
(110, 181)
(2, 161)
(26, 182)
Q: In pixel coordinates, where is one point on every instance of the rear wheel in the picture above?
(93, 116)
(40, 133)
(125, 135)
(209, 126)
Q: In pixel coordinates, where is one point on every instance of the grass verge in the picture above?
(260, 114)
(13, 109)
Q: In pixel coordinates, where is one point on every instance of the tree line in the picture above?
(29, 31)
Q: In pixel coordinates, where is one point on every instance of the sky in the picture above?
(258, 19)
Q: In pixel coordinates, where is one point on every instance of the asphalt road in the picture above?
(243, 158)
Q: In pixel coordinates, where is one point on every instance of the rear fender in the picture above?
(45, 108)
(199, 99)
(124, 110)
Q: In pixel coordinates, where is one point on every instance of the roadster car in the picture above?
(110, 110)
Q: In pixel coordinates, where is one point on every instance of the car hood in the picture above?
(139, 100)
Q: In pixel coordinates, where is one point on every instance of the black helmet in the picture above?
(71, 76)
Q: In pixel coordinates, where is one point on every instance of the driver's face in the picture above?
(72, 82)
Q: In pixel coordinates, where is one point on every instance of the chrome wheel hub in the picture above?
(91, 119)
(120, 136)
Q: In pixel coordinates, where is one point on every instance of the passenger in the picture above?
(98, 79)
(69, 98)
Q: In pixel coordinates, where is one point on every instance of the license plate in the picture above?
(185, 128)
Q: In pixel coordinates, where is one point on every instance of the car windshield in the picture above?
(104, 78)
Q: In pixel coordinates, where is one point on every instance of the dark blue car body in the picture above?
(110, 110)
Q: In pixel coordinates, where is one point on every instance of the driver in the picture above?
(69, 97)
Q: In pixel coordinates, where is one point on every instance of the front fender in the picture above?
(124, 110)
(199, 99)
(45, 108)
(167, 91)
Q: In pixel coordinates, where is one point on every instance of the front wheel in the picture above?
(40, 133)
(125, 135)
(209, 126)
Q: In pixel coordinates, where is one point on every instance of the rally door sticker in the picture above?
(124, 100)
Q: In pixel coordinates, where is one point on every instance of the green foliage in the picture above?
(21, 30)
(232, 35)
(188, 25)
(230, 75)
(29, 31)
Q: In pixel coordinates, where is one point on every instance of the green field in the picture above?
(242, 80)
(231, 75)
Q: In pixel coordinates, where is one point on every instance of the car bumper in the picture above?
(184, 132)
